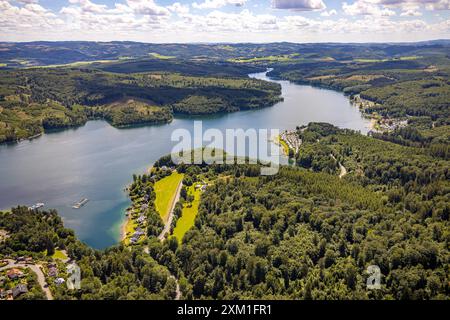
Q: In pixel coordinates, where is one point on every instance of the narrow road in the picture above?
(166, 230)
(177, 290)
(343, 169)
(36, 269)
(175, 199)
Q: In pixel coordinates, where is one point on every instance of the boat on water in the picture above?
(80, 203)
(36, 206)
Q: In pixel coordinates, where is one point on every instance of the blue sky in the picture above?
(225, 20)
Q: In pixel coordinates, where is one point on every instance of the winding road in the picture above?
(36, 269)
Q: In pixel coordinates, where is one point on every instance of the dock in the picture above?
(81, 203)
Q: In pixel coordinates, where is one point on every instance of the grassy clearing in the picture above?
(405, 58)
(59, 254)
(160, 56)
(283, 144)
(165, 190)
(187, 219)
(280, 58)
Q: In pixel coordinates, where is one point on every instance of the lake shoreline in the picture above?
(373, 120)
(123, 228)
(98, 159)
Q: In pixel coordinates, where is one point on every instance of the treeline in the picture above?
(415, 88)
(299, 234)
(34, 100)
(415, 178)
(113, 274)
(303, 235)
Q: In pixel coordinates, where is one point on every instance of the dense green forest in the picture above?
(113, 274)
(412, 88)
(33, 100)
(308, 232)
(84, 80)
(304, 233)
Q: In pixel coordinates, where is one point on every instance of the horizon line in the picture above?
(225, 42)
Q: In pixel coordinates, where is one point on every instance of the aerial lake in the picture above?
(96, 161)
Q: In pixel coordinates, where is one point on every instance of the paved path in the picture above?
(175, 199)
(36, 269)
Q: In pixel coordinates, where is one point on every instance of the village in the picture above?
(379, 124)
(21, 276)
(135, 227)
(292, 140)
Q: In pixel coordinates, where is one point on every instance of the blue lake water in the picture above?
(96, 161)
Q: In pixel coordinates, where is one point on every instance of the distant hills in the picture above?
(42, 53)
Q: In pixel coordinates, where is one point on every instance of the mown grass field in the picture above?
(59, 254)
(165, 190)
(160, 56)
(279, 58)
(284, 146)
(187, 219)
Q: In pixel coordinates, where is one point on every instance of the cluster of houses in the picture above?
(53, 273)
(292, 140)
(12, 275)
(139, 232)
(140, 219)
(386, 124)
(25, 260)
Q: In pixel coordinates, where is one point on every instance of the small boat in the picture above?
(80, 203)
(36, 206)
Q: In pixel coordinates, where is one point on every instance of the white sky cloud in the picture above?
(179, 8)
(411, 13)
(149, 21)
(366, 8)
(329, 13)
(300, 5)
(216, 4)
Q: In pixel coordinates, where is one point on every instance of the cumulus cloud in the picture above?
(366, 8)
(300, 5)
(407, 5)
(329, 13)
(147, 7)
(438, 5)
(216, 4)
(145, 20)
(178, 8)
(411, 13)
(29, 16)
(88, 6)
(27, 1)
